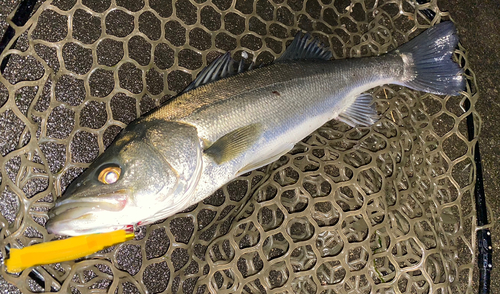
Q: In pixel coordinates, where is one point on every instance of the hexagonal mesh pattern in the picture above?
(386, 208)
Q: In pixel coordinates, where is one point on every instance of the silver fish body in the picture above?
(184, 151)
(287, 102)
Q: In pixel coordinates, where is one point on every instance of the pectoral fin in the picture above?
(234, 143)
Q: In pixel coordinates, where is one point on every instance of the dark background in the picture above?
(478, 24)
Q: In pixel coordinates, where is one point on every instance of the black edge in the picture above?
(483, 236)
(484, 244)
(20, 18)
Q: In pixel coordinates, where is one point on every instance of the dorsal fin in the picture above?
(304, 46)
(220, 68)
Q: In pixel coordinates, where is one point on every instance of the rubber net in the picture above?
(349, 210)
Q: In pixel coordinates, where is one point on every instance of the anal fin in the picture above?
(266, 161)
(361, 113)
(234, 143)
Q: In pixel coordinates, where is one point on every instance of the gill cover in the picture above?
(146, 174)
(181, 151)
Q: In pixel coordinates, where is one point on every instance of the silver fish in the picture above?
(230, 121)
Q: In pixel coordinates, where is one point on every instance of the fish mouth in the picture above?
(115, 201)
(81, 214)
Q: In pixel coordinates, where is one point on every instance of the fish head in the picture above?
(137, 177)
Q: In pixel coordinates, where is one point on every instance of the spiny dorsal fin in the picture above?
(361, 113)
(304, 46)
(234, 143)
(220, 68)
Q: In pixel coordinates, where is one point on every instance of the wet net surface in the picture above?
(383, 209)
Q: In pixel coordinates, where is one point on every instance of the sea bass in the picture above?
(230, 121)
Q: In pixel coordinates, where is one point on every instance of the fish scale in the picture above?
(291, 97)
(287, 110)
(230, 121)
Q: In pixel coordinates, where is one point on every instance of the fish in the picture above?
(231, 120)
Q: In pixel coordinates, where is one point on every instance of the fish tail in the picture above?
(428, 61)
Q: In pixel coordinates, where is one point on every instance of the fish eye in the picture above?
(109, 175)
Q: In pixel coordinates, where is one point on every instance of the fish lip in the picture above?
(115, 201)
(66, 217)
(64, 227)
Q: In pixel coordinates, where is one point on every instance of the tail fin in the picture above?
(428, 61)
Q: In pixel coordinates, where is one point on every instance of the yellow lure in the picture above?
(63, 250)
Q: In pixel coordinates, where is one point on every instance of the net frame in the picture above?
(354, 51)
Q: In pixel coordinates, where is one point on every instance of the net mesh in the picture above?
(349, 210)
